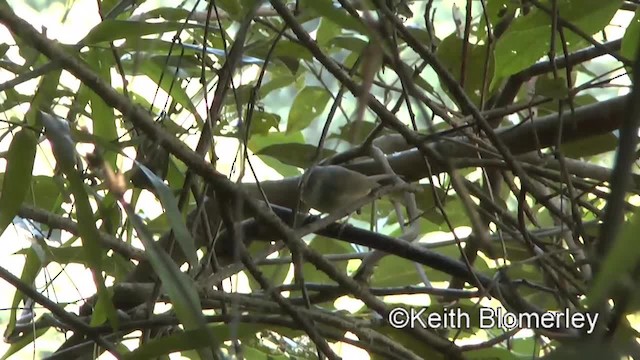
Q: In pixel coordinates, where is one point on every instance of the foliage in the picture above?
(494, 110)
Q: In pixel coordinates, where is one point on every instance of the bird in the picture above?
(332, 187)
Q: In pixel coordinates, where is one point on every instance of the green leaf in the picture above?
(587, 350)
(111, 30)
(176, 342)
(262, 122)
(590, 146)
(44, 96)
(24, 341)
(496, 12)
(104, 120)
(308, 104)
(514, 249)
(494, 353)
(292, 50)
(327, 31)
(182, 234)
(233, 7)
(175, 173)
(59, 135)
(299, 155)
(555, 88)
(170, 83)
(251, 353)
(336, 15)
(450, 53)
(276, 274)
(13, 99)
(82, 136)
(259, 142)
(409, 342)
(426, 201)
(91, 243)
(109, 214)
(75, 255)
(169, 13)
(187, 340)
(279, 79)
(527, 39)
(355, 132)
(618, 264)
(80, 101)
(456, 214)
(326, 246)
(3, 49)
(630, 40)
(525, 271)
(17, 176)
(45, 193)
(32, 266)
(158, 225)
(353, 44)
(221, 53)
(145, 46)
(180, 288)
(242, 95)
(395, 271)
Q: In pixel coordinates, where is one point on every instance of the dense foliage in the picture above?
(150, 149)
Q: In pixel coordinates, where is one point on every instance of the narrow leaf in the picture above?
(24, 341)
(308, 104)
(111, 30)
(183, 236)
(32, 266)
(619, 263)
(294, 154)
(91, 243)
(59, 135)
(104, 120)
(170, 83)
(630, 40)
(180, 288)
(44, 96)
(17, 177)
(336, 15)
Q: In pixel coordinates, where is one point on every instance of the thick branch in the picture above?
(587, 121)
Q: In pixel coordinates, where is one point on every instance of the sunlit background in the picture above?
(68, 22)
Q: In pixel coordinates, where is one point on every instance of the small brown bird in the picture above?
(332, 187)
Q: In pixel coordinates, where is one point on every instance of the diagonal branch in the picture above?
(73, 321)
(143, 121)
